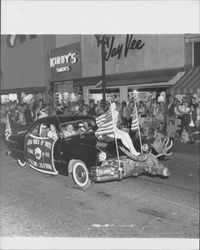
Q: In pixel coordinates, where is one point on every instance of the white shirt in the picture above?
(177, 110)
(184, 109)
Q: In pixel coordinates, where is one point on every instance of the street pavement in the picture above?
(35, 204)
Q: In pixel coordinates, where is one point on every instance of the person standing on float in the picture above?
(120, 134)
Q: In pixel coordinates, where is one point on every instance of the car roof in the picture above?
(58, 119)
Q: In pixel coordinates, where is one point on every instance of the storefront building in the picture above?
(24, 66)
(69, 67)
(188, 85)
(136, 65)
(65, 66)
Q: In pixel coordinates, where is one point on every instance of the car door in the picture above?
(64, 155)
(78, 146)
(69, 146)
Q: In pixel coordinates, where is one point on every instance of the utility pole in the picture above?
(103, 40)
(1, 84)
(103, 71)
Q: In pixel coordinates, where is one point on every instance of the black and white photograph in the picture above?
(99, 129)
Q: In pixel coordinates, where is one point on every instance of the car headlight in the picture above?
(102, 156)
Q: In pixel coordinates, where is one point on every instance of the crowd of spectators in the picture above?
(173, 118)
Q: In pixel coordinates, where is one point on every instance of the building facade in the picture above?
(134, 64)
(68, 67)
(25, 65)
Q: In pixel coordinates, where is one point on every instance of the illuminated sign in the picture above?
(69, 59)
(65, 62)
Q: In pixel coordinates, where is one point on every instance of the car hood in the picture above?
(106, 144)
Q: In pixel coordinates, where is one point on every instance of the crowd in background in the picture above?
(157, 118)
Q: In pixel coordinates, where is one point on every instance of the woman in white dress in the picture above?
(120, 134)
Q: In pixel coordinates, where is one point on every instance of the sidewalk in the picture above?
(187, 148)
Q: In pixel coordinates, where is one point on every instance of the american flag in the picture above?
(135, 120)
(8, 128)
(105, 123)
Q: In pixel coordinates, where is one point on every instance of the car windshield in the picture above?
(77, 127)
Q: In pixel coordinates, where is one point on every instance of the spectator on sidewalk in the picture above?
(192, 126)
(170, 109)
(161, 116)
(171, 129)
(197, 122)
(123, 114)
(91, 110)
(28, 116)
(184, 108)
(194, 102)
(177, 112)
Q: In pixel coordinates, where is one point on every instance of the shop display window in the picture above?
(140, 95)
(144, 94)
(9, 97)
(111, 94)
(65, 97)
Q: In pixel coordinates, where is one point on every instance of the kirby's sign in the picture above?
(65, 62)
(67, 59)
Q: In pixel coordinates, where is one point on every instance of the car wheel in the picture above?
(80, 174)
(21, 162)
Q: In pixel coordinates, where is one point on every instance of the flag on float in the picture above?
(135, 119)
(105, 123)
(8, 131)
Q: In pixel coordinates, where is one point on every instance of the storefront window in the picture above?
(65, 97)
(142, 95)
(111, 94)
(28, 97)
(8, 98)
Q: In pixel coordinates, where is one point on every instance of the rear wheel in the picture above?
(21, 162)
(80, 174)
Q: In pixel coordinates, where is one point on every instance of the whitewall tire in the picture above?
(21, 163)
(80, 174)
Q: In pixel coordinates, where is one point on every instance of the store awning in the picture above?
(140, 79)
(188, 83)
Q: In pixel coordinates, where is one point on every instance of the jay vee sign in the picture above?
(120, 49)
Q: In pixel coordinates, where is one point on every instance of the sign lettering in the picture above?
(64, 59)
(65, 62)
(70, 58)
(40, 154)
(121, 49)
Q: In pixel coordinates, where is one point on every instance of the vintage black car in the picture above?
(68, 145)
